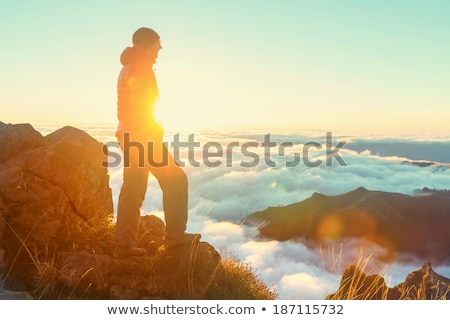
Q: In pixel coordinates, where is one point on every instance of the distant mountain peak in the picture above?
(400, 223)
(422, 284)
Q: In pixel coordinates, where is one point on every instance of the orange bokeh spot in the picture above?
(352, 222)
(330, 227)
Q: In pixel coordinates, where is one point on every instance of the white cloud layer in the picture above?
(221, 197)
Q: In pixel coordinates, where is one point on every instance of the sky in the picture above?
(326, 65)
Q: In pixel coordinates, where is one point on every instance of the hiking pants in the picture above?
(140, 158)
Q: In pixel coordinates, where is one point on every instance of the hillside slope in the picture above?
(416, 224)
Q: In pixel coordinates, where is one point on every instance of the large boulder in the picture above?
(185, 272)
(53, 191)
(16, 138)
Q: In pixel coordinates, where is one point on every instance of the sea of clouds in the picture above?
(221, 197)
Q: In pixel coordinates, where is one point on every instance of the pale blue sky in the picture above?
(349, 64)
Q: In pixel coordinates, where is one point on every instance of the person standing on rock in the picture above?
(140, 138)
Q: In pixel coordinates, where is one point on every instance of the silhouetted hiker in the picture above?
(140, 138)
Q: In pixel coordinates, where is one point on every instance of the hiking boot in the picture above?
(122, 252)
(185, 239)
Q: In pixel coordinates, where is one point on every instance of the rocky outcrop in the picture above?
(56, 231)
(187, 272)
(53, 190)
(422, 284)
(417, 224)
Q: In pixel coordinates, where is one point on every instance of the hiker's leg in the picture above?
(174, 185)
(132, 194)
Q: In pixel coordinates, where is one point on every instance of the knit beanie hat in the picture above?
(145, 37)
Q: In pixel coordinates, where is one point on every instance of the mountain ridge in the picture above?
(416, 224)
